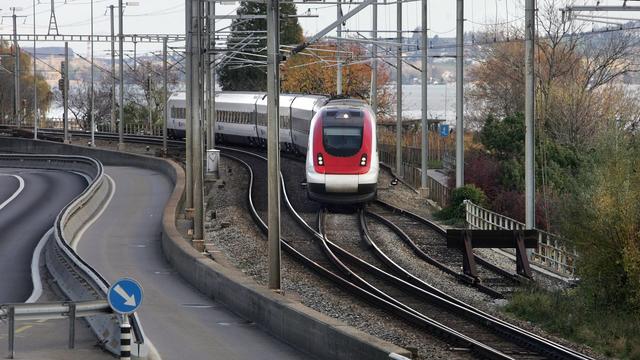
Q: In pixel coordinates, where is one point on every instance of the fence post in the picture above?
(72, 325)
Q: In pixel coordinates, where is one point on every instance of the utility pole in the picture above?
(211, 76)
(92, 112)
(194, 92)
(35, 78)
(112, 126)
(338, 43)
(460, 94)
(65, 97)
(530, 96)
(189, 106)
(121, 71)
(374, 61)
(16, 72)
(148, 85)
(399, 90)
(273, 140)
(425, 85)
(165, 96)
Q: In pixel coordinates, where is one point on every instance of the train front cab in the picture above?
(342, 161)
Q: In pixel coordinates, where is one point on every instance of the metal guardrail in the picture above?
(46, 311)
(551, 254)
(76, 278)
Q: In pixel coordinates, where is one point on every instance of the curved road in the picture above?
(181, 322)
(25, 219)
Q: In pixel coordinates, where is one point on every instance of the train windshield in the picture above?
(342, 141)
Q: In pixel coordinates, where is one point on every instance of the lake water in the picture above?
(441, 101)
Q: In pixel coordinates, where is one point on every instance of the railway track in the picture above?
(427, 241)
(401, 293)
(456, 322)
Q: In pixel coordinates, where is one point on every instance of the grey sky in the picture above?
(167, 16)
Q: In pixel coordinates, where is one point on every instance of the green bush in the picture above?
(570, 314)
(455, 210)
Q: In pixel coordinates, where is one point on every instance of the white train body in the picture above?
(241, 117)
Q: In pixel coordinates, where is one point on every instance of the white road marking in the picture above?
(16, 193)
(35, 268)
(76, 239)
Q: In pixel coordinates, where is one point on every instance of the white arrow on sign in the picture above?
(130, 300)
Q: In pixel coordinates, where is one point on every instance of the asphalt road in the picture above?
(9, 187)
(25, 219)
(180, 321)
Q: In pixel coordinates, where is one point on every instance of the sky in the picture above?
(167, 16)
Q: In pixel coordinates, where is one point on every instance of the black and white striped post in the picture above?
(125, 338)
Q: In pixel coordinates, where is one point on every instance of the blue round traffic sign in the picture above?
(125, 296)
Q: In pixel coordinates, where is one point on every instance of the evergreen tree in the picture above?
(253, 77)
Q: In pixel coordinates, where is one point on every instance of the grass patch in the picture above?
(614, 332)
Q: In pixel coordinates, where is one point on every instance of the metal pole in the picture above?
(72, 325)
(188, 100)
(166, 95)
(125, 338)
(35, 79)
(530, 94)
(92, 112)
(459, 95)
(210, 131)
(16, 73)
(149, 120)
(338, 57)
(273, 141)
(374, 61)
(399, 90)
(425, 85)
(112, 125)
(212, 92)
(196, 121)
(12, 331)
(65, 98)
(121, 74)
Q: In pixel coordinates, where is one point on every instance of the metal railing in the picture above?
(552, 252)
(46, 311)
(75, 277)
(412, 175)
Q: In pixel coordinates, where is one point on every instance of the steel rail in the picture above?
(531, 340)
(371, 295)
(443, 232)
(551, 348)
(464, 278)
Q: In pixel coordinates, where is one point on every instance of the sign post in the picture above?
(125, 297)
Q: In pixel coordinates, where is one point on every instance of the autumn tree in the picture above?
(80, 104)
(243, 67)
(26, 86)
(314, 71)
(577, 78)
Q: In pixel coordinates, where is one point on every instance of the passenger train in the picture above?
(338, 137)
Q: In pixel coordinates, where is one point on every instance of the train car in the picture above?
(236, 117)
(176, 119)
(285, 119)
(342, 156)
(303, 109)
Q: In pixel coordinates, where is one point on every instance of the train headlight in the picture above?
(320, 160)
(363, 160)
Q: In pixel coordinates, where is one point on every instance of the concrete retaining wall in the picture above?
(287, 320)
